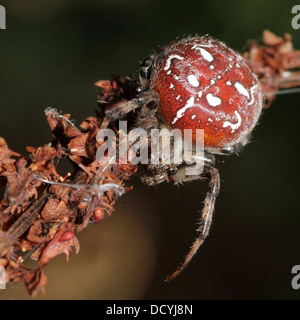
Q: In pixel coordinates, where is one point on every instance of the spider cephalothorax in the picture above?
(197, 83)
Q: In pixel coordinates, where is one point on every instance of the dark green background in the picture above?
(51, 54)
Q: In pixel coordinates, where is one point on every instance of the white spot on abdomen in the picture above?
(241, 89)
(213, 100)
(234, 126)
(198, 45)
(206, 55)
(180, 113)
(173, 56)
(252, 94)
(193, 81)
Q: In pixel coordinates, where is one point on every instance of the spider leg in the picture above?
(212, 174)
(121, 109)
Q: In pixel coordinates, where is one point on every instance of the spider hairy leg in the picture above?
(120, 110)
(206, 217)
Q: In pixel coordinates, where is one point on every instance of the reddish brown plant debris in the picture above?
(34, 281)
(62, 242)
(41, 210)
(274, 62)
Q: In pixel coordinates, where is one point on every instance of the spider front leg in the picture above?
(212, 174)
(122, 108)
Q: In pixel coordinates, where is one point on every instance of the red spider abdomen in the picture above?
(203, 84)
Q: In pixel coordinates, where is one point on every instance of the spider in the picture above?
(196, 83)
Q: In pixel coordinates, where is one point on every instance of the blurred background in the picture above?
(51, 54)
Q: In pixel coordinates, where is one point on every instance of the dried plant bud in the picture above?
(34, 281)
(62, 242)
